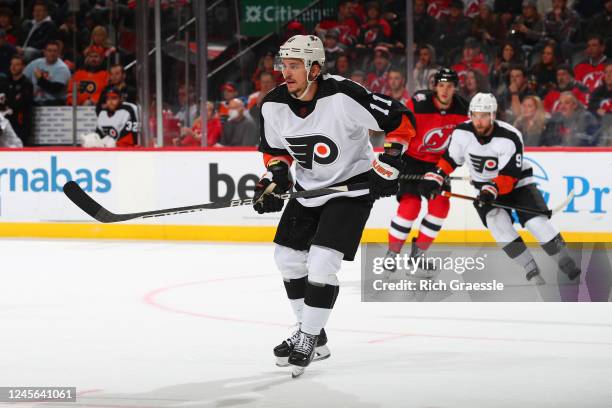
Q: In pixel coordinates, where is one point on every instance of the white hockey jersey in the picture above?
(122, 125)
(500, 154)
(327, 137)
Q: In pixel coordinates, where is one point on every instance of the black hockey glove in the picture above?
(488, 193)
(383, 176)
(431, 185)
(278, 175)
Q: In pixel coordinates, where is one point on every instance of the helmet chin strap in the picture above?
(308, 82)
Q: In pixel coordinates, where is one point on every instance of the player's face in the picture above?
(113, 102)
(482, 122)
(294, 73)
(445, 92)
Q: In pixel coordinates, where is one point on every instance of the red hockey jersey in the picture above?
(433, 126)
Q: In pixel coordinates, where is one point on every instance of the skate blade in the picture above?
(537, 281)
(321, 353)
(282, 361)
(297, 371)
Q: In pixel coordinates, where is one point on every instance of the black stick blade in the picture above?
(82, 200)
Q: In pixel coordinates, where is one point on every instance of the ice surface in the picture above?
(149, 324)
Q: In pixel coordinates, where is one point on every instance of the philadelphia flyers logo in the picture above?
(110, 131)
(436, 140)
(482, 163)
(87, 87)
(312, 149)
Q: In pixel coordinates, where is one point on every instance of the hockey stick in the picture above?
(547, 213)
(82, 200)
(417, 177)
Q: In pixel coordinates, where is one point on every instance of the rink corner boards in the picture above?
(229, 233)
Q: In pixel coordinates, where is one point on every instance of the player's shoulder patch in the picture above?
(423, 102)
(507, 131)
(278, 95)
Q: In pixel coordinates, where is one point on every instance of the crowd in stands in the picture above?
(545, 60)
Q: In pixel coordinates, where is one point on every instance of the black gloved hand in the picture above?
(276, 180)
(487, 194)
(383, 176)
(431, 185)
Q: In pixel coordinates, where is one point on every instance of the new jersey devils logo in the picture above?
(436, 140)
(312, 148)
(606, 105)
(593, 79)
(481, 163)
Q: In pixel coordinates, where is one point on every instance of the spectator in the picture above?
(376, 30)
(600, 24)
(332, 48)
(396, 85)
(528, 28)
(118, 122)
(474, 82)
(100, 41)
(89, 80)
(485, 26)
(342, 66)
(508, 56)
(424, 24)
(266, 63)
(65, 33)
(532, 120)
(425, 67)
(511, 99)
(193, 136)
(50, 76)
(359, 77)
(7, 50)
(565, 83)
(590, 72)
(229, 92)
(117, 79)
(240, 129)
(19, 100)
(572, 125)
(561, 24)
(453, 29)
(187, 107)
(255, 99)
(600, 103)
(472, 59)
(377, 79)
(7, 24)
(37, 31)
(8, 138)
(545, 70)
(345, 22)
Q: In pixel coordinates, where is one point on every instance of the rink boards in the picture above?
(33, 205)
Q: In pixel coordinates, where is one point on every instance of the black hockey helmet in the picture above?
(446, 75)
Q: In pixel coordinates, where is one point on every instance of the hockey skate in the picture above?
(426, 268)
(303, 353)
(283, 350)
(568, 267)
(534, 277)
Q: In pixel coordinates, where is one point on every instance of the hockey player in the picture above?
(119, 120)
(437, 113)
(322, 123)
(493, 150)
